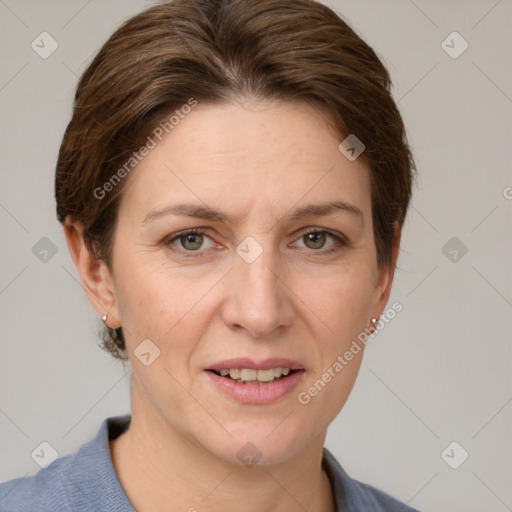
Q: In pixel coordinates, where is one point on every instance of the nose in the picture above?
(259, 297)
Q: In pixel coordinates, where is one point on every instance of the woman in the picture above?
(232, 186)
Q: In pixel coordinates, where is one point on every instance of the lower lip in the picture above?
(257, 393)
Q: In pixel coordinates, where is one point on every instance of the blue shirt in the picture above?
(87, 481)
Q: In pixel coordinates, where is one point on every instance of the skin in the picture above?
(257, 161)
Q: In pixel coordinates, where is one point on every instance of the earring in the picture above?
(104, 318)
(374, 326)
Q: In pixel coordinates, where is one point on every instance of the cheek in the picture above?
(159, 302)
(343, 300)
(343, 305)
(327, 390)
(340, 385)
(147, 299)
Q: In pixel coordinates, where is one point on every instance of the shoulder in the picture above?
(47, 490)
(354, 496)
(375, 499)
(84, 480)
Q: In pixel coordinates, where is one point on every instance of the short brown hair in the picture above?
(217, 51)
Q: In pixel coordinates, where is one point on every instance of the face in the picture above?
(280, 271)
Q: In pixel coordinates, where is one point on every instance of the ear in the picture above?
(385, 279)
(95, 277)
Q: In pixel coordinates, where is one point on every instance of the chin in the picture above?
(260, 446)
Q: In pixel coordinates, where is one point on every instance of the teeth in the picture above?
(251, 375)
(265, 375)
(234, 374)
(248, 374)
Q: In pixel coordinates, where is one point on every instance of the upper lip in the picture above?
(264, 364)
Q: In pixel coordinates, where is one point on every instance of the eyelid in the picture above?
(191, 231)
(339, 238)
(330, 232)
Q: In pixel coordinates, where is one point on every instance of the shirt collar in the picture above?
(96, 454)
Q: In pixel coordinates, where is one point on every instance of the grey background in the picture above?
(439, 372)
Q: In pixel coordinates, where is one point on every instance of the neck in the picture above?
(159, 469)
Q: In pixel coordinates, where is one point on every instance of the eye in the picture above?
(191, 240)
(316, 239)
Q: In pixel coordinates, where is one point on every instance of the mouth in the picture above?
(255, 377)
(250, 382)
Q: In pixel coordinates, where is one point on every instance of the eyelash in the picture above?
(340, 242)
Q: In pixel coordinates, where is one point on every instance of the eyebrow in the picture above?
(207, 213)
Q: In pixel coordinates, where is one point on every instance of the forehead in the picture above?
(265, 156)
